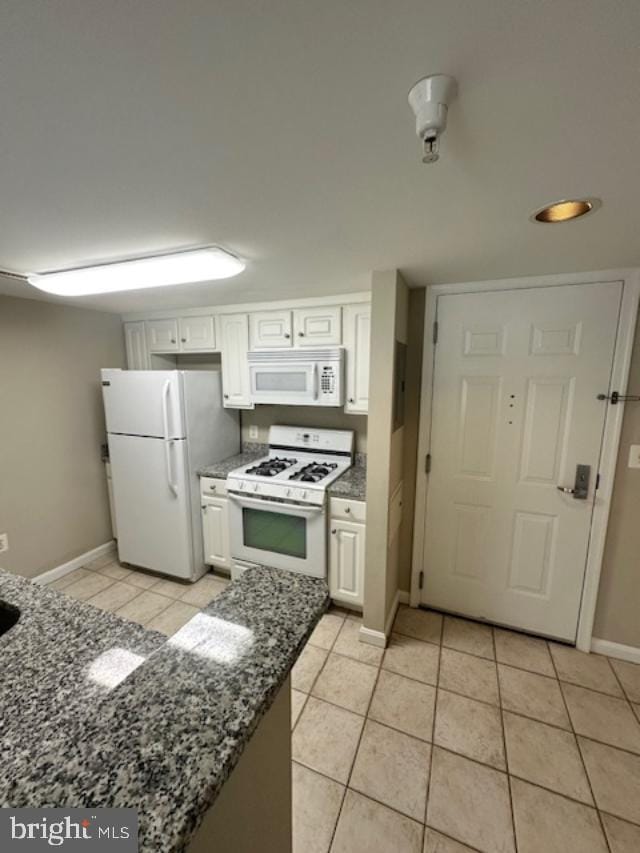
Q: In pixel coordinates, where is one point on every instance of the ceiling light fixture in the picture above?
(563, 211)
(184, 267)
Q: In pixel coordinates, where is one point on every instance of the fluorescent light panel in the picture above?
(184, 267)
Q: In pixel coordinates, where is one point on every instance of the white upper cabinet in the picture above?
(234, 335)
(162, 335)
(136, 345)
(197, 334)
(357, 335)
(317, 327)
(270, 329)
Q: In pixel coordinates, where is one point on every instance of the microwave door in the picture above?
(285, 384)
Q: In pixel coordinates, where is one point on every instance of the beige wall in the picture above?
(389, 320)
(618, 609)
(53, 497)
(312, 416)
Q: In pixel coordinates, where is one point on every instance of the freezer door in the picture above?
(143, 402)
(151, 496)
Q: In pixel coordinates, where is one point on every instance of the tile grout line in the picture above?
(504, 744)
(433, 724)
(584, 766)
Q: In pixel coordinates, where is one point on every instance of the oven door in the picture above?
(285, 536)
(289, 384)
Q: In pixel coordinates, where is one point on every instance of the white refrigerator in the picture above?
(162, 425)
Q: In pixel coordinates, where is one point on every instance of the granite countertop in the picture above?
(98, 711)
(221, 470)
(352, 484)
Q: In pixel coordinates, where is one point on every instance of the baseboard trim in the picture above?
(380, 638)
(615, 650)
(76, 563)
(373, 638)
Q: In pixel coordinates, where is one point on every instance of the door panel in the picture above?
(515, 409)
(154, 524)
(138, 402)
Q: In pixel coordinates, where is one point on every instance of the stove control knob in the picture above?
(256, 487)
(303, 495)
(288, 493)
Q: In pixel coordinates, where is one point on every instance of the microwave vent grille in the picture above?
(294, 355)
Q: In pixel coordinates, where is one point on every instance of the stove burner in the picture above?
(314, 472)
(271, 467)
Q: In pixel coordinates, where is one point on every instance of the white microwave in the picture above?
(297, 377)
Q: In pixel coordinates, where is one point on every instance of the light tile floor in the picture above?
(159, 603)
(458, 737)
(461, 737)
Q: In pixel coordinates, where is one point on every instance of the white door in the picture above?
(143, 402)
(270, 329)
(197, 334)
(234, 332)
(317, 327)
(515, 410)
(357, 334)
(150, 490)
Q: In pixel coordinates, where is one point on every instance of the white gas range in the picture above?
(277, 504)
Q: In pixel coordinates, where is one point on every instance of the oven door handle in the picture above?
(265, 503)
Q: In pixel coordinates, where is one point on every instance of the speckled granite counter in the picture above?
(221, 470)
(352, 484)
(77, 730)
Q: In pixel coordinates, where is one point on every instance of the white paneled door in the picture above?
(515, 410)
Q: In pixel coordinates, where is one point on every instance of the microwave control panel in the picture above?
(328, 382)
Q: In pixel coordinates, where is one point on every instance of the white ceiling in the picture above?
(281, 131)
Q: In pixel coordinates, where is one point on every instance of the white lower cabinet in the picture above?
(215, 530)
(346, 555)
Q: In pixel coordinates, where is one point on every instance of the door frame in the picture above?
(630, 279)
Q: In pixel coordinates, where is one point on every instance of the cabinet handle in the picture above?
(204, 508)
(173, 340)
(347, 509)
(226, 396)
(287, 335)
(213, 488)
(351, 400)
(301, 334)
(184, 340)
(334, 531)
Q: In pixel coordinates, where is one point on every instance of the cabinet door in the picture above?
(234, 334)
(346, 561)
(162, 335)
(317, 327)
(215, 530)
(197, 334)
(270, 329)
(357, 333)
(136, 346)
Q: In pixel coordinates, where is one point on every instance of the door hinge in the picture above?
(435, 331)
(427, 464)
(420, 580)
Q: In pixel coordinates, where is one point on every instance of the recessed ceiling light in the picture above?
(563, 211)
(183, 267)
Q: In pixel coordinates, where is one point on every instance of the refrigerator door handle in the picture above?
(168, 444)
(167, 441)
(165, 408)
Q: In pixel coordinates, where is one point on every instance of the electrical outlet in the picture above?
(4, 543)
(634, 456)
(253, 432)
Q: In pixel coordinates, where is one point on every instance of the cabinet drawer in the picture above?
(210, 486)
(348, 509)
